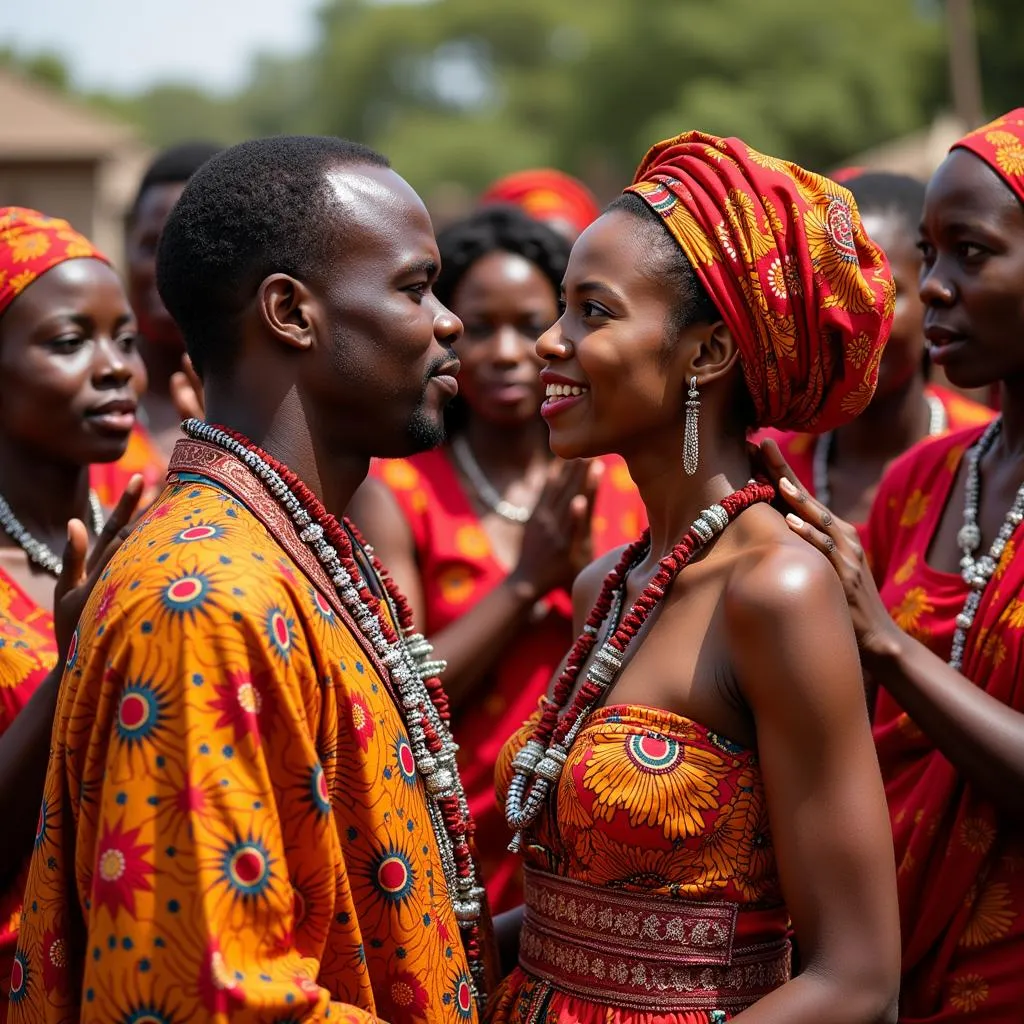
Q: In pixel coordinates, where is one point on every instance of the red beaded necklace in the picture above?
(556, 727)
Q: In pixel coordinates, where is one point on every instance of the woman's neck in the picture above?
(672, 499)
(888, 427)
(1011, 405)
(43, 495)
(508, 453)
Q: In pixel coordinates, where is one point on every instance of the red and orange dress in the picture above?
(459, 568)
(798, 449)
(28, 651)
(960, 861)
(651, 889)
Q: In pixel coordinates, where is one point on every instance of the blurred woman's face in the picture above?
(155, 323)
(70, 372)
(505, 303)
(904, 352)
(972, 244)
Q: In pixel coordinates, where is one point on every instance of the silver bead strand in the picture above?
(978, 572)
(35, 549)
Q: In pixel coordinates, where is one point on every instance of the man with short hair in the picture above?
(252, 810)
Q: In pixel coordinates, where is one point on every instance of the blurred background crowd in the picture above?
(458, 92)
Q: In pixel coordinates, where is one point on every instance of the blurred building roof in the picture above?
(41, 124)
(917, 154)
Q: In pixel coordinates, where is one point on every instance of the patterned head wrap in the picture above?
(31, 244)
(546, 195)
(1000, 143)
(781, 252)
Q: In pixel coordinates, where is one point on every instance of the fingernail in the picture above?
(787, 485)
(794, 520)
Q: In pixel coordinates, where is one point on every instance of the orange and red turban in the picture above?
(807, 295)
(1000, 143)
(546, 195)
(31, 244)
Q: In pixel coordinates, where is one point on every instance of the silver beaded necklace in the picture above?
(36, 550)
(977, 572)
(485, 490)
(408, 664)
(938, 423)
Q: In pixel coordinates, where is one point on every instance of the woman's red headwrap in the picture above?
(807, 295)
(31, 244)
(1000, 143)
(546, 194)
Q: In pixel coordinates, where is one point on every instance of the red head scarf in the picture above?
(807, 296)
(546, 195)
(1000, 143)
(31, 244)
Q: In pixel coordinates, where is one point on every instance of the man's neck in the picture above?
(285, 435)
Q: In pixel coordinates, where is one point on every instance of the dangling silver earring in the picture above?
(691, 446)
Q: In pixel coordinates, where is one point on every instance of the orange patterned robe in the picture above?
(28, 651)
(960, 861)
(109, 479)
(233, 826)
(798, 449)
(459, 568)
(657, 833)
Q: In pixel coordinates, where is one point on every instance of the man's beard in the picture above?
(424, 431)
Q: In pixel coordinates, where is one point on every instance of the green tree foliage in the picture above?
(460, 91)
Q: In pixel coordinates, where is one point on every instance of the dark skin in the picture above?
(161, 343)
(505, 303)
(898, 416)
(331, 370)
(972, 239)
(764, 623)
(70, 379)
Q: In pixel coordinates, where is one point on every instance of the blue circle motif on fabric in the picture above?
(203, 531)
(393, 875)
(186, 593)
(318, 789)
(279, 632)
(652, 753)
(464, 996)
(72, 657)
(405, 759)
(324, 610)
(20, 976)
(138, 713)
(246, 867)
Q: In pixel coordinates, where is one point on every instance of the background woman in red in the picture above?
(486, 534)
(941, 626)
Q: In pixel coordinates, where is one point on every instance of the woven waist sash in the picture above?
(649, 953)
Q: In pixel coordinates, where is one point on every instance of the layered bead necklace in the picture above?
(405, 654)
(977, 572)
(538, 765)
(38, 552)
(938, 423)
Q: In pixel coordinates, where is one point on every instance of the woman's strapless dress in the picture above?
(651, 890)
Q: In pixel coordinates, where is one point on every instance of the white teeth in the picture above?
(563, 390)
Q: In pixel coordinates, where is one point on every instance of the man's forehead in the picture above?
(359, 184)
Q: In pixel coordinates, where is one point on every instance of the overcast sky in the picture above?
(122, 45)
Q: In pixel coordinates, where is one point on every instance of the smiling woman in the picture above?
(486, 533)
(70, 380)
